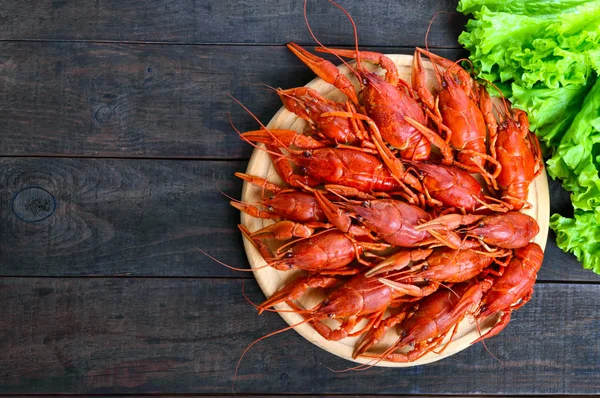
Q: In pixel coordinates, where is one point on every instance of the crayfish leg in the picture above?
(296, 289)
(398, 261)
(449, 222)
(264, 251)
(345, 271)
(419, 82)
(391, 76)
(283, 230)
(258, 181)
(344, 192)
(335, 334)
(286, 172)
(497, 328)
(325, 70)
(434, 138)
(454, 68)
(375, 334)
(253, 210)
(284, 138)
(403, 288)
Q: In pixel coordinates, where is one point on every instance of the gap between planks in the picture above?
(226, 278)
(183, 43)
(113, 157)
(292, 395)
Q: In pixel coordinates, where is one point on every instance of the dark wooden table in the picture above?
(114, 135)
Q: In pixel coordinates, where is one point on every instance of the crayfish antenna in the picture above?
(273, 153)
(484, 344)
(229, 266)
(284, 247)
(277, 140)
(354, 30)
(366, 366)
(435, 67)
(262, 309)
(325, 47)
(378, 358)
(267, 87)
(259, 340)
(231, 198)
(449, 287)
(501, 95)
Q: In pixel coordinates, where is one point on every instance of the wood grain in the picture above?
(116, 217)
(185, 336)
(219, 21)
(99, 100)
(143, 218)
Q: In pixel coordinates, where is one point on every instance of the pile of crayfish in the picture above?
(401, 203)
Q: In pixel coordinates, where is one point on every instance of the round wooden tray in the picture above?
(271, 280)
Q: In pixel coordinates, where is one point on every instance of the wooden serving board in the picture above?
(271, 280)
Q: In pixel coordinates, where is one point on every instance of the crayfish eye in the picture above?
(481, 225)
(291, 266)
(272, 197)
(303, 170)
(444, 84)
(270, 208)
(425, 267)
(307, 154)
(329, 315)
(326, 302)
(365, 81)
(426, 280)
(359, 218)
(366, 204)
(288, 255)
(483, 308)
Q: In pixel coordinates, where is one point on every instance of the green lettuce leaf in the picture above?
(580, 235)
(531, 50)
(538, 8)
(576, 160)
(551, 111)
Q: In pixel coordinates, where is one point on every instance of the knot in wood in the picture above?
(103, 114)
(33, 204)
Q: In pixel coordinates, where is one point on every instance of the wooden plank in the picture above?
(383, 23)
(141, 217)
(83, 99)
(301, 395)
(176, 335)
(138, 217)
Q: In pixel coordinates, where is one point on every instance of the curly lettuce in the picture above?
(544, 55)
(530, 50)
(550, 111)
(580, 235)
(537, 8)
(576, 160)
